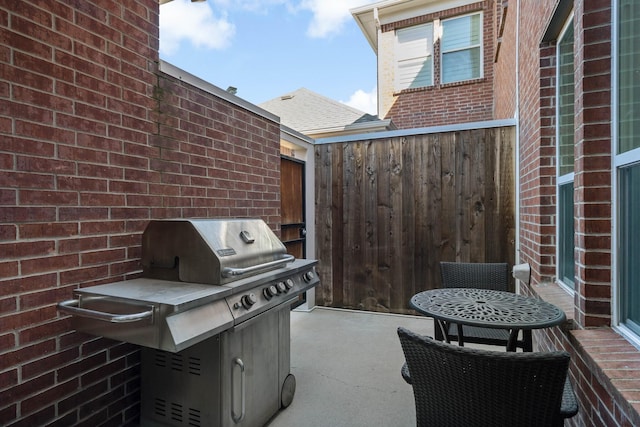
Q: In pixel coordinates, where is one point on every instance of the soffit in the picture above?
(371, 16)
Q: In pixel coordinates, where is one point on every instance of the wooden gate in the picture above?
(389, 210)
(293, 226)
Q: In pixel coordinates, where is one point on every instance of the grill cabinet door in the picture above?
(251, 352)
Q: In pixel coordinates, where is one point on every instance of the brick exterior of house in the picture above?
(440, 104)
(604, 365)
(95, 142)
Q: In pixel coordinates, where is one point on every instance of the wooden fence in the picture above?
(389, 210)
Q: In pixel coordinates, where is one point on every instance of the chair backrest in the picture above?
(461, 386)
(483, 275)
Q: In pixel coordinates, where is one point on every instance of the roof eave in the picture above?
(353, 128)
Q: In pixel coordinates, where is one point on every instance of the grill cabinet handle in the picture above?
(236, 418)
(230, 271)
(71, 307)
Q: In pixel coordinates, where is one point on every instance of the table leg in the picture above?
(460, 336)
(513, 340)
(528, 340)
(444, 328)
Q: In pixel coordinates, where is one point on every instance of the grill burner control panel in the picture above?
(262, 297)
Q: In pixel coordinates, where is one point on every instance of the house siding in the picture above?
(94, 143)
(440, 104)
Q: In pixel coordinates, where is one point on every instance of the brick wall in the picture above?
(593, 198)
(537, 161)
(592, 166)
(94, 143)
(440, 104)
(603, 369)
(504, 86)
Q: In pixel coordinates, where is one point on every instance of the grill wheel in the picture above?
(288, 390)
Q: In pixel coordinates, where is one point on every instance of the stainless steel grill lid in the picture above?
(209, 251)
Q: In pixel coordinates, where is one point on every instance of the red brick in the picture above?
(33, 130)
(50, 329)
(38, 98)
(101, 257)
(7, 341)
(84, 395)
(82, 214)
(27, 249)
(48, 397)
(8, 269)
(8, 379)
(26, 180)
(74, 369)
(101, 199)
(26, 44)
(8, 305)
(30, 112)
(83, 275)
(22, 355)
(55, 198)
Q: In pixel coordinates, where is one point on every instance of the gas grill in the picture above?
(212, 314)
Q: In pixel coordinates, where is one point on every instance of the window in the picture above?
(627, 163)
(461, 47)
(414, 57)
(565, 135)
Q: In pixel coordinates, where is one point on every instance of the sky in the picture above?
(267, 48)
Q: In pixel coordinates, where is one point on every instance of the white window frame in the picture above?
(618, 161)
(479, 45)
(567, 178)
(419, 58)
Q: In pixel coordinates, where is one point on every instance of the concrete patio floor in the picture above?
(347, 368)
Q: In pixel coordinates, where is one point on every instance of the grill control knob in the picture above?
(248, 300)
(289, 283)
(269, 292)
(282, 287)
(308, 276)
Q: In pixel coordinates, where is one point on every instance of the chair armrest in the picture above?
(405, 373)
(569, 405)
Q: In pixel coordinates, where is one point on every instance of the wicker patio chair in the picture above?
(459, 386)
(475, 275)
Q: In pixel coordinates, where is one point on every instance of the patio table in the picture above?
(488, 308)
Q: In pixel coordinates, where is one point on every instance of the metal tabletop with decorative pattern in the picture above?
(488, 309)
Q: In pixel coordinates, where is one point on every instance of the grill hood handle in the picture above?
(231, 272)
(71, 307)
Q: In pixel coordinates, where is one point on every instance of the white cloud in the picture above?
(329, 16)
(364, 101)
(256, 6)
(195, 23)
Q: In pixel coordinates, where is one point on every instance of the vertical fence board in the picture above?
(433, 235)
(399, 206)
(395, 281)
(448, 217)
(409, 216)
(371, 236)
(477, 191)
(324, 210)
(336, 252)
